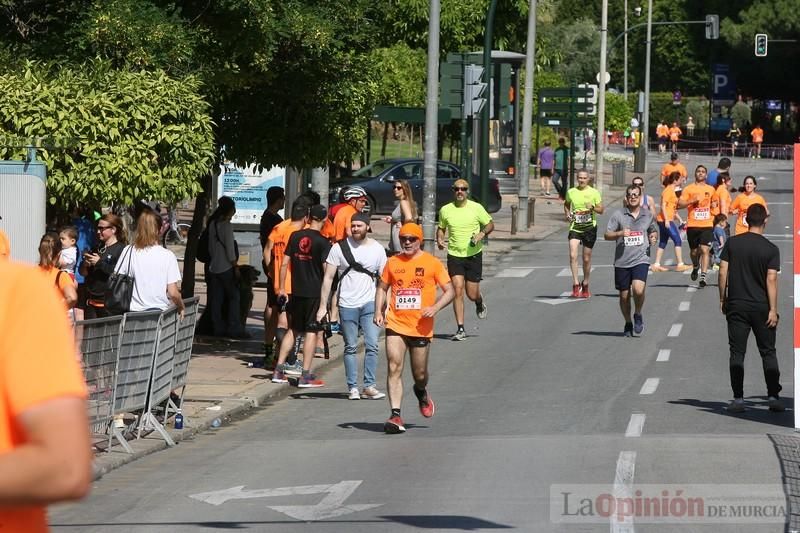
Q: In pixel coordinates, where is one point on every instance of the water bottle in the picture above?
(216, 423)
(178, 420)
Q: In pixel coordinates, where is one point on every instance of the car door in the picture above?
(385, 189)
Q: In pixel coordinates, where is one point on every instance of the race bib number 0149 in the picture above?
(408, 299)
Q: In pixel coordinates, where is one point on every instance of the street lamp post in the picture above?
(646, 115)
(431, 125)
(625, 45)
(527, 117)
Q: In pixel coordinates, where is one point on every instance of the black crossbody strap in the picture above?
(351, 261)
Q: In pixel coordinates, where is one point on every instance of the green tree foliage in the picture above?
(578, 50)
(741, 113)
(400, 73)
(618, 111)
(698, 109)
(119, 135)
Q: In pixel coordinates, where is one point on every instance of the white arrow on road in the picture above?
(565, 297)
(331, 505)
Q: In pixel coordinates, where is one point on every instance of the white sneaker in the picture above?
(354, 394)
(372, 393)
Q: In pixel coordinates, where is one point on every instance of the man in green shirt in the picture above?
(561, 166)
(581, 207)
(466, 224)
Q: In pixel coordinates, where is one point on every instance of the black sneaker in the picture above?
(775, 404)
(628, 331)
(702, 279)
(694, 273)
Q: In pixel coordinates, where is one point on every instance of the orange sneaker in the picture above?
(658, 268)
(683, 268)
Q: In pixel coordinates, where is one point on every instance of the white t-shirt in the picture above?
(68, 259)
(152, 268)
(357, 289)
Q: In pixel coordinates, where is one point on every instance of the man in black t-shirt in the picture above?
(305, 254)
(276, 200)
(748, 291)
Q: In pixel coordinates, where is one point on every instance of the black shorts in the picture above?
(302, 312)
(662, 140)
(272, 296)
(83, 295)
(411, 342)
(624, 277)
(469, 267)
(587, 237)
(545, 172)
(697, 236)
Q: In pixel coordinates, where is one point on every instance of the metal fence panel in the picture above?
(184, 341)
(136, 352)
(99, 344)
(165, 354)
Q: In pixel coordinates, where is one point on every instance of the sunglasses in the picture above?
(103, 228)
(408, 239)
(462, 189)
(632, 195)
(398, 187)
(638, 184)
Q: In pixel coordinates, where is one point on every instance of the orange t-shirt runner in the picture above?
(758, 135)
(721, 195)
(341, 223)
(670, 201)
(413, 283)
(741, 203)
(37, 365)
(280, 238)
(669, 168)
(699, 214)
(675, 134)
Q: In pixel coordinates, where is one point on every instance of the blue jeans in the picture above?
(350, 319)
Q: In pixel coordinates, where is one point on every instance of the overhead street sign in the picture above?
(409, 115)
(566, 92)
(565, 107)
(565, 122)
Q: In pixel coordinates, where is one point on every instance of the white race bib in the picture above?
(702, 213)
(408, 299)
(635, 238)
(583, 217)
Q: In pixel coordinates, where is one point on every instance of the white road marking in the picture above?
(691, 288)
(650, 386)
(564, 297)
(623, 488)
(566, 272)
(635, 425)
(675, 330)
(663, 356)
(684, 306)
(514, 272)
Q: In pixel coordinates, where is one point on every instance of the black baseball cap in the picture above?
(318, 212)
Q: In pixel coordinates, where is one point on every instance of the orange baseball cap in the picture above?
(412, 230)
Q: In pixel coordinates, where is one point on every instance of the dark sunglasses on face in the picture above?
(408, 239)
(639, 184)
(103, 228)
(462, 189)
(398, 187)
(632, 195)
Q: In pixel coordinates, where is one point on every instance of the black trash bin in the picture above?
(618, 173)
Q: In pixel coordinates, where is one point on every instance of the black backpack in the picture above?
(203, 253)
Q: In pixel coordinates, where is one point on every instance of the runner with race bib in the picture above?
(699, 224)
(581, 207)
(634, 229)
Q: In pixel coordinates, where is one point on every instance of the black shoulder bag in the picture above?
(120, 288)
(352, 264)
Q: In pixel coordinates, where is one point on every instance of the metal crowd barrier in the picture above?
(131, 364)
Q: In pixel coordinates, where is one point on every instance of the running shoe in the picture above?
(372, 393)
(426, 407)
(310, 381)
(638, 324)
(659, 268)
(481, 310)
(354, 395)
(694, 273)
(278, 375)
(585, 290)
(335, 328)
(294, 370)
(775, 404)
(682, 268)
(576, 291)
(459, 336)
(628, 331)
(394, 426)
(702, 279)
(736, 406)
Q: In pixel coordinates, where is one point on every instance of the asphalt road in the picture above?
(544, 404)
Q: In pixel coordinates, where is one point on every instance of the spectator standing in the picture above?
(357, 284)
(153, 268)
(356, 198)
(757, 135)
(82, 220)
(748, 294)
(98, 264)
(560, 167)
(276, 201)
(49, 249)
(45, 452)
(406, 211)
(223, 272)
(546, 161)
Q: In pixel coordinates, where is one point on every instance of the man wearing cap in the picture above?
(413, 276)
(466, 224)
(673, 166)
(306, 251)
(359, 261)
(356, 198)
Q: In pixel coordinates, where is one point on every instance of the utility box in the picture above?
(23, 199)
(618, 173)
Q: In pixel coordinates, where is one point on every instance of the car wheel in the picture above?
(369, 208)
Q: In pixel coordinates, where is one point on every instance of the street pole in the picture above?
(431, 125)
(601, 101)
(488, 37)
(319, 182)
(625, 45)
(646, 116)
(527, 114)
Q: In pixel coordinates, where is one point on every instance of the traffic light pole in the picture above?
(488, 37)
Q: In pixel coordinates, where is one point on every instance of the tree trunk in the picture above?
(385, 138)
(198, 222)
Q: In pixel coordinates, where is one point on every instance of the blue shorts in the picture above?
(623, 277)
(666, 233)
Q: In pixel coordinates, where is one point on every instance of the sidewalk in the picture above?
(221, 387)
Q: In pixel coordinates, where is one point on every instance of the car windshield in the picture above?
(373, 169)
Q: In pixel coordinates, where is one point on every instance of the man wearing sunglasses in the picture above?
(466, 224)
(635, 230)
(413, 276)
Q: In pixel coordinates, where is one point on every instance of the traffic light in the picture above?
(712, 26)
(474, 88)
(761, 44)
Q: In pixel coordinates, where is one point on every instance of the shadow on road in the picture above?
(599, 333)
(374, 427)
(756, 410)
